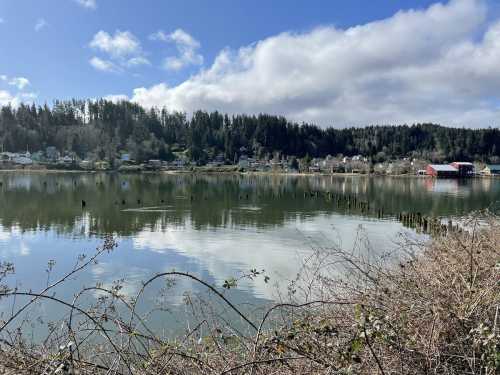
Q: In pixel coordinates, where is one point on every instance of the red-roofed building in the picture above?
(441, 170)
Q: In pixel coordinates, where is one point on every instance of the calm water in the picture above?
(212, 226)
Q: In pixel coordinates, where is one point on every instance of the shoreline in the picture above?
(222, 172)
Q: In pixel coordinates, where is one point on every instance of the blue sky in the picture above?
(170, 53)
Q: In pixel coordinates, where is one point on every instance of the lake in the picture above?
(213, 226)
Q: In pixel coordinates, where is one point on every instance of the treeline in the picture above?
(104, 129)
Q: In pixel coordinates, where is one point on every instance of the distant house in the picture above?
(154, 164)
(7, 156)
(491, 169)
(178, 163)
(359, 158)
(243, 162)
(22, 160)
(101, 165)
(65, 160)
(86, 164)
(442, 170)
(51, 153)
(37, 156)
(465, 169)
(219, 159)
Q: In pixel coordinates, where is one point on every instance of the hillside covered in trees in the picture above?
(106, 129)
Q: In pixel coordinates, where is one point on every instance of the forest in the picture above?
(104, 129)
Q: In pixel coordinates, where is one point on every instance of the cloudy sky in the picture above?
(334, 63)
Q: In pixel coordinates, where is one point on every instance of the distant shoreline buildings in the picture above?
(51, 158)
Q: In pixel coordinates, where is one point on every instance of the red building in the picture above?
(441, 170)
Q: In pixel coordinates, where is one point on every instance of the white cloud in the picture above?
(187, 48)
(416, 66)
(159, 35)
(14, 100)
(19, 82)
(41, 23)
(6, 98)
(123, 49)
(89, 4)
(122, 44)
(137, 61)
(103, 65)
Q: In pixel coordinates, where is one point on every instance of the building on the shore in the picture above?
(465, 169)
(52, 154)
(38, 156)
(65, 160)
(442, 170)
(101, 165)
(125, 157)
(455, 169)
(22, 160)
(154, 164)
(491, 169)
(86, 164)
(243, 161)
(7, 156)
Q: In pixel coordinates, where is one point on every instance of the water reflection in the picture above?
(115, 203)
(213, 226)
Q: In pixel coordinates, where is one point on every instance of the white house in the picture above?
(22, 160)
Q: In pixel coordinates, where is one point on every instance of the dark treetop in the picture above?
(105, 129)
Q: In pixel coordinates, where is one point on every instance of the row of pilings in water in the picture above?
(354, 203)
(415, 220)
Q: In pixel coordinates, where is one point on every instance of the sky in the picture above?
(332, 63)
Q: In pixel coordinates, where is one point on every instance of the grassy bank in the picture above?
(437, 312)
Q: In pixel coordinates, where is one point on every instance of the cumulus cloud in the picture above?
(89, 4)
(6, 97)
(40, 24)
(137, 61)
(19, 82)
(123, 50)
(416, 66)
(122, 43)
(103, 65)
(187, 48)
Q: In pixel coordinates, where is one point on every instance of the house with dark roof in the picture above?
(465, 169)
